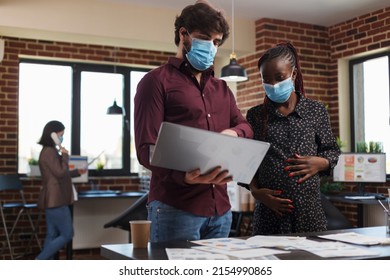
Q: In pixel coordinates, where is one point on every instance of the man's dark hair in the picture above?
(203, 18)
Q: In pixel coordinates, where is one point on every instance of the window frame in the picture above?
(77, 69)
(353, 62)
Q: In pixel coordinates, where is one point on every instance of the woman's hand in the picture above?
(305, 166)
(269, 198)
(216, 176)
(64, 151)
(82, 171)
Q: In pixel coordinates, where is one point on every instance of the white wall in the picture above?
(99, 22)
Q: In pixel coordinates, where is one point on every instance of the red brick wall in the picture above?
(357, 36)
(14, 48)
(312, 43)
(9, 80)
(319, 49)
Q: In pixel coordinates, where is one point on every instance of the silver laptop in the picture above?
(186, 148)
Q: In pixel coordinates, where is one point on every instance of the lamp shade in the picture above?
(233, 72)
(114, 109)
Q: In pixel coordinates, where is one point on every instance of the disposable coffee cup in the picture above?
(140, 232)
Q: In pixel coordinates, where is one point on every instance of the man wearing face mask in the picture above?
(188, 205)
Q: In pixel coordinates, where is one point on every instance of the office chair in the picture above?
(334, 217)
(137, 211)
(11, 183)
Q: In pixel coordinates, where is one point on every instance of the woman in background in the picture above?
(287, 184)
(56, 195)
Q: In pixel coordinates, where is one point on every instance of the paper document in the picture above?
(329, 249)
(356, 238)
(333, 249)
(229, 244)
(257, 253)
(283, 242)
(192, 254)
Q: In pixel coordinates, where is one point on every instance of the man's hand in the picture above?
(269, 198)
(230, 132)
(217, 176)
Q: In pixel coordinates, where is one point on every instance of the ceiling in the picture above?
(318, 12)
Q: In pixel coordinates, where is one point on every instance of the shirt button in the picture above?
(213, 185)
(208, 115)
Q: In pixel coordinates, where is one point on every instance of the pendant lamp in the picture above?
(114, 109)
(233, 72)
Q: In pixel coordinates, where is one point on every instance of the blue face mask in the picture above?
(280, 92)
(61, 138)
(202, 53)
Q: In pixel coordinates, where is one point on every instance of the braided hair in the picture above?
(288, 52)
(281, 51)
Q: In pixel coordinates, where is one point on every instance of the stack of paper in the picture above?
(266, 247)
(356, 238)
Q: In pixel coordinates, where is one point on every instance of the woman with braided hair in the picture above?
(303, 148)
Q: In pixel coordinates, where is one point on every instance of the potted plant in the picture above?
(328, 186)
(34, 168)
(342, 144)
(99, 167)
(369, 147)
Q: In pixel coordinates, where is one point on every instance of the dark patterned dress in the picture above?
(306, 132)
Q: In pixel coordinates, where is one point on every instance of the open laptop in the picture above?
(186, 148)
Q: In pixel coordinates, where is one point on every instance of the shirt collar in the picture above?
(300, 109)
(184, 66)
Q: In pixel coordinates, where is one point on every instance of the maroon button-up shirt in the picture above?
(171, 93)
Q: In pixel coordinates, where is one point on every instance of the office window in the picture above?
(135, 77)
(101, 134)
(370, 100)
(45, 93)
(79, 95)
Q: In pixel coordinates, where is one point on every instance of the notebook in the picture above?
(186, 148)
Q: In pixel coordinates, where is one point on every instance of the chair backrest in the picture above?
(335, 219)
(137, 211)
(10, 182)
